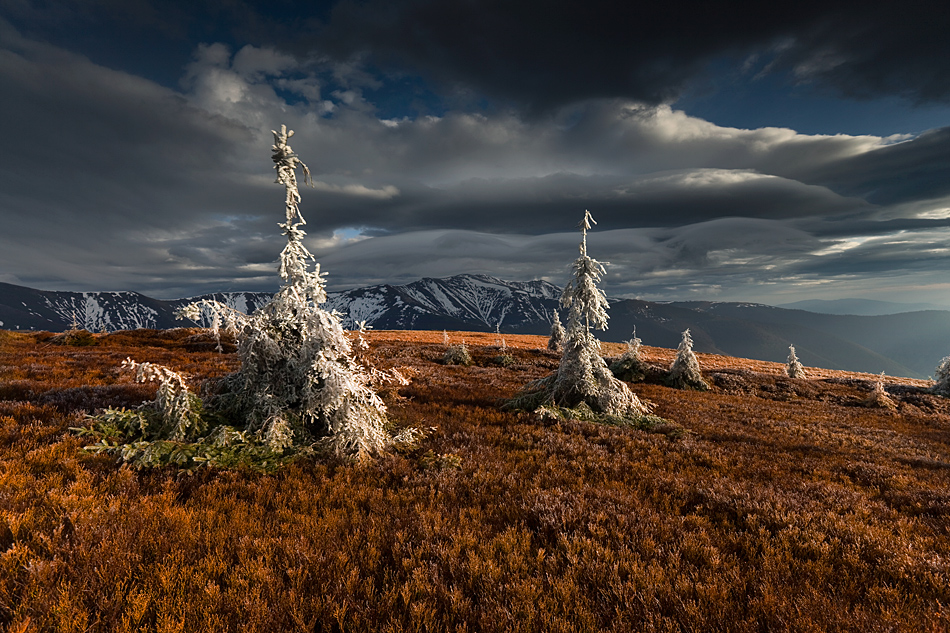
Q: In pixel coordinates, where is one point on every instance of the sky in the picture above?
(731, 151)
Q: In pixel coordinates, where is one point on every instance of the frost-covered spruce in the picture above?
(582, 377)
(298, 379)
(942, 377)
(556, 341)
(794, 368)
(630, 367)
(684, 372)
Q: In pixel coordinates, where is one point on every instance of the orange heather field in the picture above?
(766, 504)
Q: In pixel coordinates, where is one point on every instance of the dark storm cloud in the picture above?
(546, 54)
(112, 181)
(636, 257)
(535, 205)
(917, 169)
(866, 50)
(857, 225)
(101, 168)
(538, 54)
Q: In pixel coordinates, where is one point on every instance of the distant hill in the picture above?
(907, 344)
(864, 307)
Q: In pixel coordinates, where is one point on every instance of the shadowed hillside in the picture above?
(767, 504)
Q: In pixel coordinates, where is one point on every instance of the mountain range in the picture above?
(909, 344)
(866, 307)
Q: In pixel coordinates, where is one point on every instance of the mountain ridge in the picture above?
(906, 344)
(858, 307)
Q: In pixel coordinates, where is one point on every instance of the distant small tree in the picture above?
(942, 377)
(630, 367)
(878, 397)
(794, 368)
(685, 372)
(582, 377)
(556, 342)
(457, 354)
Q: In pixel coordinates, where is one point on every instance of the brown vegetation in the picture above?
(790, 505)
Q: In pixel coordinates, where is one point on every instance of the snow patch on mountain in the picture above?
(473, 301)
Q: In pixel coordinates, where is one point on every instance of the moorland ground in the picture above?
(767, 504)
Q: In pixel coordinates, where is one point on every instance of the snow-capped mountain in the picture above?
(463, 302)
(24, 308)
(908, 344)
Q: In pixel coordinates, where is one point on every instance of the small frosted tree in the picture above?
(457, 354)
(878, 397)
(794, 368)
(685, 372)
(942, 377)
(556, 341)
(582, 377)
(630, 367)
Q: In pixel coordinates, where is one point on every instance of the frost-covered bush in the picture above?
(942, 378)
(685, 372)
(630, 367)
(178, 410)
(171, 430)
(299, 381)
(556, 341)
(878, 397)
(794, 368)
(457, 355)
(582, 376)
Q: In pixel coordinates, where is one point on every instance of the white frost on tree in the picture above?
(298, 376)
(630, 367)
(582, 376)
(794, 368)
(633, 347)
(942, 378)
(179, 409)
(685, 372)
(556, 341)
(878, 397)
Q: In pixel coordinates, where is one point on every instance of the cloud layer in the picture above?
(117, 182)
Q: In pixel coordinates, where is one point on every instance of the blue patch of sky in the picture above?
(405, 96)
(732, 98)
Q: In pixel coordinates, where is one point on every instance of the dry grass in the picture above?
(790, 506)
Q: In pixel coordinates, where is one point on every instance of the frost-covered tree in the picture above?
(298, 376)
(794, 368)
(685, 372)
(556, 341)
(630, 367)
(878, 397)
(942, 378)
(582, 377)
(299, 383)
(457, 355)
